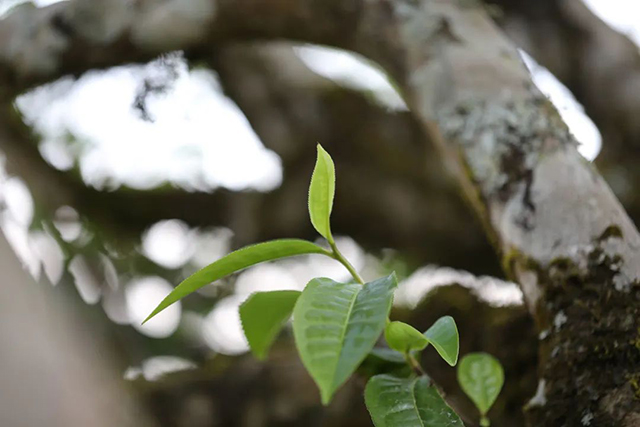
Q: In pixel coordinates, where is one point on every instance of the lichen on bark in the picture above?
(567, 242)
(589, 338)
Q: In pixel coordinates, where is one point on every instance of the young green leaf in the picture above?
(412, 402)
(404, 338)
(236, 261)
(336, 325)
(481, 377)
(321, 192)
(262, 315)
(443, 334)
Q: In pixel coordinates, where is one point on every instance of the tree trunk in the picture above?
(53, 371)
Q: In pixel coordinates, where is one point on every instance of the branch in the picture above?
(39, 45)
(78, 383)
(563, 235)
(600, 66)
(400, 197)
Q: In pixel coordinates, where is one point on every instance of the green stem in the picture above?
(337, 255)
(414, 364)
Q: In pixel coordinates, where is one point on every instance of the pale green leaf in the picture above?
(404, 338)
(481, 377)
(262, 315)
(443, 334)
(321, 193)
(337, 324)
(236, 261)
(410, 402)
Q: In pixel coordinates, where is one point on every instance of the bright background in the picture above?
(199, 140)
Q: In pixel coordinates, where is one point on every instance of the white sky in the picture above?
(622, 15)
(198, 139)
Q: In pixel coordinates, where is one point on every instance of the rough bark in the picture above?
(600, 66)
(562, 234)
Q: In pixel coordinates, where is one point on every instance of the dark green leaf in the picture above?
(443, 334)
(236, 261)
(336, 325)
(321, 193)
(388, 355)
(262, 315)
(404, 338)
(412, 402)
(384, 361)
(481, 377)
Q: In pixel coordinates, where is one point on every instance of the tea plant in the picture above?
(481, 377)
(337, 325)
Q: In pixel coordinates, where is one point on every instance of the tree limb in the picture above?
(600, 66)
(39, 45)
(563, 235)
(54, 372)
(401, 197)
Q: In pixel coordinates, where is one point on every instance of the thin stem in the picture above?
(414, 364)
(337, 255)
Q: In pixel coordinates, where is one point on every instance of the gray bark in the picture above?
(600, 66)
(563, 235)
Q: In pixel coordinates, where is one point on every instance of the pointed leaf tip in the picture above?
(443, 334)
(236, 261)
(321, 193)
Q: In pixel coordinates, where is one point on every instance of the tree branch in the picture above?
(563, 235)
(38, 45)
(600, 66)
(400, 197)
(57, 371)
